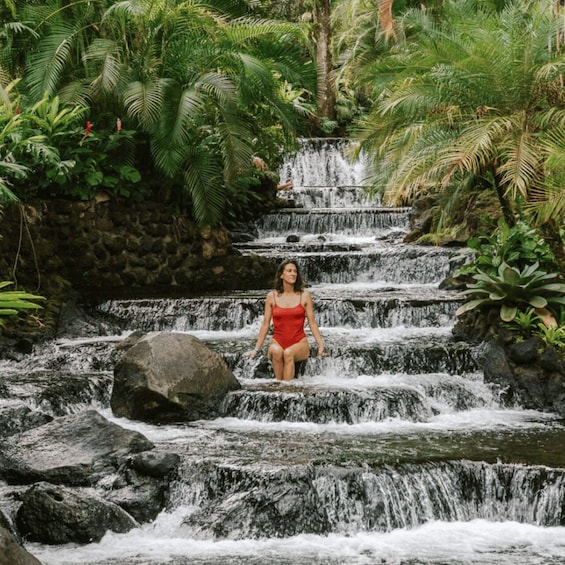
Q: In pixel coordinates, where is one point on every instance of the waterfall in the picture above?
(381, 498)
(390, 449)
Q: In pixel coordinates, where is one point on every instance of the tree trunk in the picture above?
(504, 204)
(324, 60)
(386, 20)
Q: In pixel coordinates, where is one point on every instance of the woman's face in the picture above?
(289, 274)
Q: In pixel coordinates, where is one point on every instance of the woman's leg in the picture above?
(275, 354)
(298, 352)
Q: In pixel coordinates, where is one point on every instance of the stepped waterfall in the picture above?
(388, 450)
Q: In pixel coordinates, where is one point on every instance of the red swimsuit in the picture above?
(288, 324)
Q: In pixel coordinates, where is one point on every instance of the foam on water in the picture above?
(477, 542)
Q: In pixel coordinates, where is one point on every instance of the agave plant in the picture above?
(12, 301)
(512, 288)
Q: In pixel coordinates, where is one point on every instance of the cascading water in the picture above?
(389, 450)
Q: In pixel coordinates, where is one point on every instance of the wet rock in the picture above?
(167, 377)
(16, 417)
(54, 515)
(73, 450)
(280, 505)
(143, 497)
(57, 393)
(527, 374)
(526, 352)
(143, 487)
(11, 553)
(156, 465)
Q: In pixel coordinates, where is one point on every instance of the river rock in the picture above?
(71, 450)
(144, 491)
(17, 417)
(168, 377)
(54, 515)
(57, 392)
(11, 553)
(527, 374)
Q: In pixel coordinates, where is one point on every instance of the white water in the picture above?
(478, 542)
(473, 542)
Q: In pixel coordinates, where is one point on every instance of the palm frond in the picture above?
(144, 101)
(47, 65)
(104, 53)
(203, 181)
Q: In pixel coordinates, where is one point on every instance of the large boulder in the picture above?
(72, 450)
(169, 376)
(54, 515)
(11, 553)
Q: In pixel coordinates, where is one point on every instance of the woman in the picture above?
(288, 306)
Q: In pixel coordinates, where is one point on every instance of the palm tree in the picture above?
(472, 102)
(207, 89)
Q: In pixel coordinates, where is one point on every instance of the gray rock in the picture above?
(11, 553)
(72, 450)
(54, 515)
(169, 376)
(16, 417)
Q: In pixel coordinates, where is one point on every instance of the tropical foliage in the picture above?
(47, 150)
(473, 99)
(204, 84)
(515, 271)
(13, 301)
(511, 288)
(518, 245)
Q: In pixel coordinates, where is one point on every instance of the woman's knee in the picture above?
(276, 352)
(297, 352)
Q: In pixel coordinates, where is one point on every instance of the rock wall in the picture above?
(103, 248)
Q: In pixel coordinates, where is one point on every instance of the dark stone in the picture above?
(56, 392)
(142, 497)
(281, 505)
(74, 450)
(132, 245)
(55, 515)
(169, 376)
(555, 393)
(526, 352)
(152, 263)
(527, 374)
(157, 465)
(24, 345)
(16, 417)
(115, 244)
(551, 361)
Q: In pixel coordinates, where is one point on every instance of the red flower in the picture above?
(88, 128)
(18, 111)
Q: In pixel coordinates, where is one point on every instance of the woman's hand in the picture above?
(252, 353)
(321, 350)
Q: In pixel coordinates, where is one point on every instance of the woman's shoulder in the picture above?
(306, 295)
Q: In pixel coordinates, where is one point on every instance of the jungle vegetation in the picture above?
(447, 99)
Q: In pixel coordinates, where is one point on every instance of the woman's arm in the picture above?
(309, 307)
(265, 324)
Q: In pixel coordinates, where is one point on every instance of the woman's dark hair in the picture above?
(298, 285)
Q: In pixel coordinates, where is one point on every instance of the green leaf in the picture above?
(508, 313)
(538, 301)
(470, 306)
